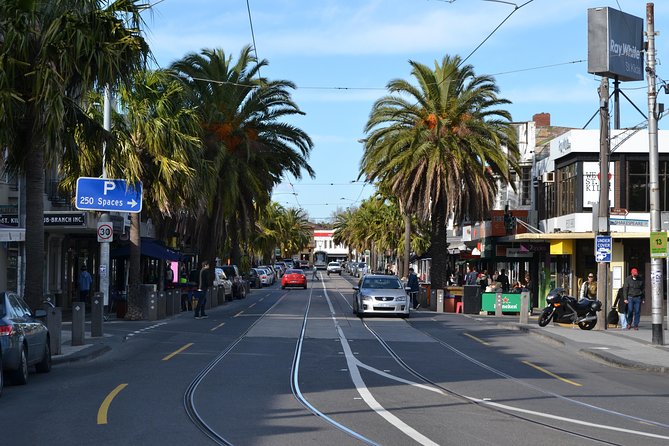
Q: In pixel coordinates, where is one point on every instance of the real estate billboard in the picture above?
(615, 44)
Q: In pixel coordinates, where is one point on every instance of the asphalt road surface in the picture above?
(296, 367)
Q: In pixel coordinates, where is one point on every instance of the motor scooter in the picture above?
(568, 310)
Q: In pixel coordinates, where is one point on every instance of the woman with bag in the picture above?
(620, 305)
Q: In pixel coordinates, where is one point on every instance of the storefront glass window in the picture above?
(637, 186)
(567, 189)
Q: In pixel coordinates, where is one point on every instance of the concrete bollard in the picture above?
(498, 303)
(161, 302)
(524, 307)
(150, 307)
(97, 314)
(78, 323)
(54, 322)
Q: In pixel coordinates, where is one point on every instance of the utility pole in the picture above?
(603, 209)
(653, 165)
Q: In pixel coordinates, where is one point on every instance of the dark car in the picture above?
(253, 278)
(24, 339)
(238, 282)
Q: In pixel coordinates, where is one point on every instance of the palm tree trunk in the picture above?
(439, 246)
(407, 244)
(34, 244)
(134, 273)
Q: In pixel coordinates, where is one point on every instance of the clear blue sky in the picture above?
(342, 53)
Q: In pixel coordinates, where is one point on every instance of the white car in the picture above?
(381, 294)
(221, 280)
(334, 268)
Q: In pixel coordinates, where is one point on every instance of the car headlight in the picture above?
(401, 298)
(363, 297)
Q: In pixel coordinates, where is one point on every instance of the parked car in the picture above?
(265, 280)
(253, 278)
(334, 268)
(380, 294)
(270, 273)
(294, 277)
(24, 339)
(238, 282)
(221, 280)
(361, 269)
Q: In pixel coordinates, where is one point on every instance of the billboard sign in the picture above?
(615, 44)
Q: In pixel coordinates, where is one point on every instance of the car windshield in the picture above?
(294, 271)
(378, 283)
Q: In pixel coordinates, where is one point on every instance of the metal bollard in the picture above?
(169, 303)
(440, 301)
(161, 302)
(524, 307)
(150, 310)
(97, 313)
(54, 322)
(498, 303)
(78, 321)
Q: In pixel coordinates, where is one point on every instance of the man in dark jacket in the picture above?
(633, 293)
(414, 287)
(205, 282)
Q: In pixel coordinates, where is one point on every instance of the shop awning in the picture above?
(149, 248)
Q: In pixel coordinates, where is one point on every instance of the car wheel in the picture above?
(20, 375)
(283, 287)
(44, 366)
(2, 375)
(305, 286)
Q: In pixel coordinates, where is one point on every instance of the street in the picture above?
(291, 367)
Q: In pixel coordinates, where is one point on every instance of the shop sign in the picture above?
(50, 219)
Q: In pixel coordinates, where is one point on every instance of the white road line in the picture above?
(364, 392)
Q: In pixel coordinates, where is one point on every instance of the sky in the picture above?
(341, 54)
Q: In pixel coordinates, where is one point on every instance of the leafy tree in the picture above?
(442, 147)
(156, 141)
(51, 53)
(245, 139)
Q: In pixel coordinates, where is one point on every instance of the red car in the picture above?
(294, 277)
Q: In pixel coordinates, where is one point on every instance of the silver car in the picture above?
(380, 294)
(24, 339)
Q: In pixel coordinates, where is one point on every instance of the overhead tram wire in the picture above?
(253, 37)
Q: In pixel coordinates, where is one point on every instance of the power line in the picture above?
(253, 37)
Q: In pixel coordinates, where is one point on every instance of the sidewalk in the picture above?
(614, 346)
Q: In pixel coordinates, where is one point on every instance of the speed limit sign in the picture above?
(105, 232)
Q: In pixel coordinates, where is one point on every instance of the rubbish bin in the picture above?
(471, 299)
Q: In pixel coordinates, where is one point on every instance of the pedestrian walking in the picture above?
(206, 281)
(621, 306)
(414, 286)
(85, 282)
(633, 293)
(589, 288)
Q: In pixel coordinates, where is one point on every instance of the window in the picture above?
(525, 185)
(566, 189)
(637, 186)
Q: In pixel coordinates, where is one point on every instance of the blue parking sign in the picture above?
(603, 248)
(105, 194)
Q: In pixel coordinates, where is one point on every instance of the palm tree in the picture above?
(51, 53)
(245, 139)
(156, 142)
(441, 147)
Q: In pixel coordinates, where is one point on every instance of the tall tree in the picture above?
(246, 140)
(441, 146)
(156, 141)
(52, 52)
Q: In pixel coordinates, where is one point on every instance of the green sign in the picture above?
(658, 245)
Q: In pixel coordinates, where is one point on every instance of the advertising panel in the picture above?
(615, 44)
